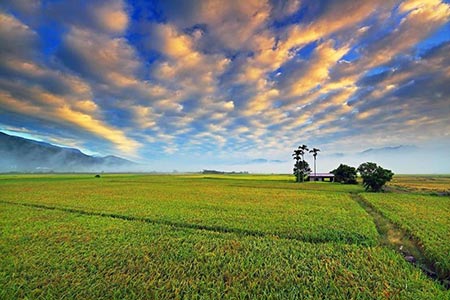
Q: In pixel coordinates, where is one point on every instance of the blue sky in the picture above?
(189, 85)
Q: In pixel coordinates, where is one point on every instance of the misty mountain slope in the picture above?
(18, 154)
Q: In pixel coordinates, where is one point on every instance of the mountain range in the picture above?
(19, 154)
(389, 150)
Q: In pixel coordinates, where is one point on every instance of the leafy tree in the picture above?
(345, 174)
(374, 177)
(301, 170)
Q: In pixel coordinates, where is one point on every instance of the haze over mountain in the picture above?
(18, 154)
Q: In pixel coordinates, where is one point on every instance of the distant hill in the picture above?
(18, 154)
(391, 150)
(263, 160)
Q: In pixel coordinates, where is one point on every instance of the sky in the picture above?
(231, 85)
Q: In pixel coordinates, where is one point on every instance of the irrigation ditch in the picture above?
(395, 238)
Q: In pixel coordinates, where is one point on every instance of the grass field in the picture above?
(207, 237)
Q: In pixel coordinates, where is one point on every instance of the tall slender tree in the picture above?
(301, 167)
(304, 149)
(297, 156)
(314, 151)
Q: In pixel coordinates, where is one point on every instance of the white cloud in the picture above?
(227, 77)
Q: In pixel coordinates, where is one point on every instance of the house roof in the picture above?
(321, 175)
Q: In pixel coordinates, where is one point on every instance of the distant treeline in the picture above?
(222, 172)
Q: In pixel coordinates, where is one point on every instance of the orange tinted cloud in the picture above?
(112, 16)
(53, 108)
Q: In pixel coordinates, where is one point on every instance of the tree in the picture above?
(374, 177)
(301, 170)
(304, 148)
(314, 151)
(297, 155)
(345, 174)
(301, 167)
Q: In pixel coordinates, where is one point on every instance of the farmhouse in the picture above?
(321, 177)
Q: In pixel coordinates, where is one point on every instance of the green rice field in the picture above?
(138, 236)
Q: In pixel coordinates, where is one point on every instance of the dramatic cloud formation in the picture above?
(216, 84)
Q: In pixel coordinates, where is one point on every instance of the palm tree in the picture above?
(301, 166)
(314, 151)
(297, 155)
(304, 148)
